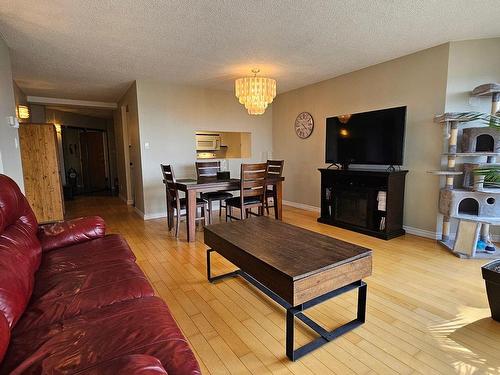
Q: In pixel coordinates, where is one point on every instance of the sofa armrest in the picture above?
(70, 232)
(134, 364)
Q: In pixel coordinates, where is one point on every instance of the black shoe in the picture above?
(489, 249)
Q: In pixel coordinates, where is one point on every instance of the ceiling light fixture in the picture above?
(255, 93)
(344, 118)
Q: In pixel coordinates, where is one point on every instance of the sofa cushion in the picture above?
(135, 364)
(65, 295)
(14, 208)
(108, 249)
(4, 335)
(71, 232)
(139, 326)
(20, 250)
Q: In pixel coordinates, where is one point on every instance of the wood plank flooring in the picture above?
(427, 310)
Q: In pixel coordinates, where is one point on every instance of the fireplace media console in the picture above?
(365, 201)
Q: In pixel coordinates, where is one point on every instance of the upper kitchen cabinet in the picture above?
(223, 145)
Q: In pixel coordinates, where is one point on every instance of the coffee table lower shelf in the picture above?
(293, 312)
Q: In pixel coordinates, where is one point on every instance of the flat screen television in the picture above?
(375, 137)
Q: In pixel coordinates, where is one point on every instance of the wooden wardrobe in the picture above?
(41, 170)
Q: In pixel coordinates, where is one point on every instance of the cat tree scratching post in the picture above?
(492, 89)
(450, 173)
(452, 159)
(474, 207)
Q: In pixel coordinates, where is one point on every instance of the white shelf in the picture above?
(478, 219)
(466, 154)
(446, 173)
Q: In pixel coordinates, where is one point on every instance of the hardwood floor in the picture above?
(427, 310)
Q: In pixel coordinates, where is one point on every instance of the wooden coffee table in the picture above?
(295, 267)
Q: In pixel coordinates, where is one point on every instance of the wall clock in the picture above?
(304, 125)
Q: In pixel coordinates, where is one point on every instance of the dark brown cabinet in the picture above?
(365, 201)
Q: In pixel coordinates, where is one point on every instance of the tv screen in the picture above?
(375, 137)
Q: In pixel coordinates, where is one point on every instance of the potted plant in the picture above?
(491, 276)
(487, 176)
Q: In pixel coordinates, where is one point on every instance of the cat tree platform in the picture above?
(486, 89)
(456, 202)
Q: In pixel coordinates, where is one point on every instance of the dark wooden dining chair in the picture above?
(252, 191)
(274, 169)
(210, 169)
(174, 203)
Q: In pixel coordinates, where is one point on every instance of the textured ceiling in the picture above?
(92, 50)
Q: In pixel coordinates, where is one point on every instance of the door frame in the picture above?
(126, 154)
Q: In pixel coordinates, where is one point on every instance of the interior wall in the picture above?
(170, 115)
(417, 81)
(20, 99)
(75, 119)
(471, 63)
(37, 114)
(10, 156)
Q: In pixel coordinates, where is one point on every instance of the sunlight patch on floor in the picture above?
(462, 339)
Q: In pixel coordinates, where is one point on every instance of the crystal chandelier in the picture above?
(255, 93)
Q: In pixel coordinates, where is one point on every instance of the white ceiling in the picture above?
(92, 50)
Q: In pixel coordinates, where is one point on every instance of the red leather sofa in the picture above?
(73, 300)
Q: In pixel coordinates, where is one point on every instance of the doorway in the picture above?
(95, 171)
(86, 160)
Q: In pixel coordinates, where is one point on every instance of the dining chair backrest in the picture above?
(253, 180)
(169, 181)
(275, 168)
(207, 168)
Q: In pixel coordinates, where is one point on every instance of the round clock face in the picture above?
(304, 125)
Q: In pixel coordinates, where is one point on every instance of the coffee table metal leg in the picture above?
(293, 312)
(215, 278)
(325, 336)
(362, 291)
(290, 330)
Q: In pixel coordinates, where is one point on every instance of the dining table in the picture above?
(191, 187)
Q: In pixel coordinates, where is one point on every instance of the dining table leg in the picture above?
(278, 205)
(191, 215)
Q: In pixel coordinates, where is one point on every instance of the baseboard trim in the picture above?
(139, 212)
(129, 202)
(158, 215)
(410, 230)
(422, 232)
(302, 206)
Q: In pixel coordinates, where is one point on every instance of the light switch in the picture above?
(12, 121)
(147, 146)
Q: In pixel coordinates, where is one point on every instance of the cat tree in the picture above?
(475, 206)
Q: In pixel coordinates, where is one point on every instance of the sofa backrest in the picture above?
(20, 255)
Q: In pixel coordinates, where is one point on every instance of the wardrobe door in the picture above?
(41, 171)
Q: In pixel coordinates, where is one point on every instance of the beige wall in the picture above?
(417, 81)
(10, 156)
(74, 119)
(170, 115)
(19, 99)
(471, 63)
